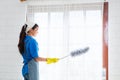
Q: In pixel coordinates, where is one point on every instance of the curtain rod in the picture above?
(23, 0)
(101, 1)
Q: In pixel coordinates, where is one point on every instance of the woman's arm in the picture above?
(48, 60)
(40, 59)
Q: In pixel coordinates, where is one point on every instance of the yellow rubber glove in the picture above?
(52, 60)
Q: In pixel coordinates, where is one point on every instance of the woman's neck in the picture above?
(30, 34)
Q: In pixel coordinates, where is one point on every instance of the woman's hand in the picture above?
(52, 60)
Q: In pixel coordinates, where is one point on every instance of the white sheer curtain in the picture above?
(64, 28)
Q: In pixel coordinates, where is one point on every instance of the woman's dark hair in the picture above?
(22, 37)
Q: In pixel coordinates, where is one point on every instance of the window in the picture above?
(64, 30)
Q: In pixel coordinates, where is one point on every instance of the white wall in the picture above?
(12, 16)
(114, 38)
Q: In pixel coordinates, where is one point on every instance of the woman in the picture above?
(28, 48)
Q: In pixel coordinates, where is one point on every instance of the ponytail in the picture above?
(21, 39)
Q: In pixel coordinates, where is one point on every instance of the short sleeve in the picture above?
(33, 48)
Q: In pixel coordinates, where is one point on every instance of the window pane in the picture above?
(55, 41)
(56, 19)
(76, 18)
(93, 18)
(81, 29)
(82, 36)
(41, 19)
(77, 36)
